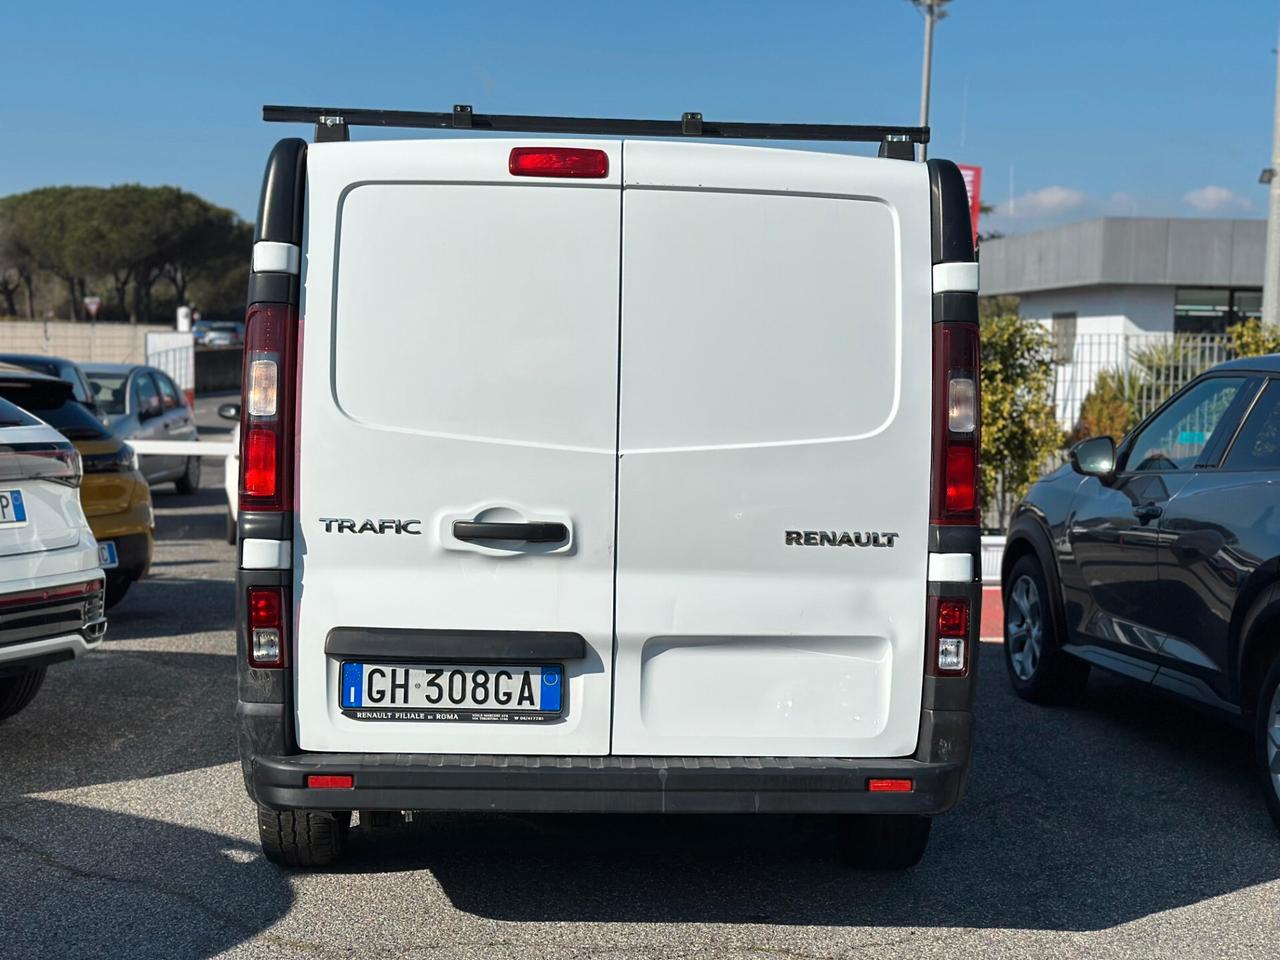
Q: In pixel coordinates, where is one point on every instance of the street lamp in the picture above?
(932, 11)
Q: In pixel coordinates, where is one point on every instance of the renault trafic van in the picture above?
(607, 474)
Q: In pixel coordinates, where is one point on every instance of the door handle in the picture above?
(1148, 511)
(537, 531)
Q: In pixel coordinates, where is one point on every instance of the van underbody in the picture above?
(614, 488)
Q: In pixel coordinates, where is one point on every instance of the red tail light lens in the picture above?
(266, 626)
(953, 617)
(956, 424)
(948, 637)
(266, 431)
(558, 162)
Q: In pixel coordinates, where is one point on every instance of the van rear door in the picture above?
(459, 366)
(774, 449)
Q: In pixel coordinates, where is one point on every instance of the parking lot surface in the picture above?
(1124, 827)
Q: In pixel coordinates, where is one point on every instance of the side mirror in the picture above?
(147, 412)
(1095, 457)
(229, 411)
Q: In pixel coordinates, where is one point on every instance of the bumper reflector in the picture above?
(330, 781)
(890, 786)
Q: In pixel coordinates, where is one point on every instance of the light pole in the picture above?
(933, 12)
(1271, 270)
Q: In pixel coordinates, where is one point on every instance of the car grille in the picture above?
(37, 614)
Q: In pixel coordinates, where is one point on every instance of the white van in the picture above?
(623, 475)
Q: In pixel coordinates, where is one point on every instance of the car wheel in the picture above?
(231, 528)
(189, 482)
(1267, 738)
(880, 841)
(303, 838)
(19, 690)
(1038, 669)
(117, 586)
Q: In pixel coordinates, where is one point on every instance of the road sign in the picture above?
(973, 184)
(92, 305)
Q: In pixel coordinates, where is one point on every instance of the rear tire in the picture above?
(18, 691)
(117, 586)
(189, 482)
(1266, 731)
(303, 838)
(882, 841)
(1038, 669)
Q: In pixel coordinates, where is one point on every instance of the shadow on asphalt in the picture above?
(189, 517)
(115, 885)
(1077, 819)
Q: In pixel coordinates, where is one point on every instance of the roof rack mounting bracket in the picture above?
(897, 147)
(691, 124)
(462, 116)
(331, 128)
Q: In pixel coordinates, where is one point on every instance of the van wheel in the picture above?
(882, 841)
(303, 838)
(189, 482)
(1038, 669)
(117, 586)
(1267, 738)
(18, 691)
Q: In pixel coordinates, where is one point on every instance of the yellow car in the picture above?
(113, 493)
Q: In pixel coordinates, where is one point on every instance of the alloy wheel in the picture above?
(1024, 630)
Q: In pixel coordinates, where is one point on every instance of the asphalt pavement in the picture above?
(1126, 826)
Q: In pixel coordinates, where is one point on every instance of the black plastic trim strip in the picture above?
(958, 539)
(952, 228)
(283, 186)
(519, 123)
(468, 645)
(274, 288)
(265, 526)
(536, 531)
(955, 306)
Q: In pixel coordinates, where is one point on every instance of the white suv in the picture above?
(607, 475)
(51, 587)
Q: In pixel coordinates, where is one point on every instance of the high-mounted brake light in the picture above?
(558, 162)
(956, 424)
(266, 626)
(266, 432)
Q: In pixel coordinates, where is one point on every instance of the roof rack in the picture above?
(334, 123)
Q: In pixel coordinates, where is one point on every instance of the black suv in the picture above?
(1159, 559)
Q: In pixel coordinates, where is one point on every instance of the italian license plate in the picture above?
(489, 693)
(13, 512)
(107, 556)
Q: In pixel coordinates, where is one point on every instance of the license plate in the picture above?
(107, 557)
(492, 693)
(13, 512)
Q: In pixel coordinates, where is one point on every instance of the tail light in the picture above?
(948, 649)
(266, 626)
(59, 462)
(956, 424)
(266, 432)
(558, 162)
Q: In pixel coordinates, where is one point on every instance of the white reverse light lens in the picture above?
(266, 644)
(962, 405)
(951, 652)
(262, 388)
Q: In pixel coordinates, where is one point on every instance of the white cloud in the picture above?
(1212, 199)
(1048, 202)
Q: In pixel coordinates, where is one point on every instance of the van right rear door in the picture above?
(774, 453)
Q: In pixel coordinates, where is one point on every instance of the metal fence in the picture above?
(1147, 366)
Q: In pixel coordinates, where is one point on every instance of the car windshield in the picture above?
(55, 405)
(108, 389)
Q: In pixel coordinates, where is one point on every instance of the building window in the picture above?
(1213, 309)
(1064, 337)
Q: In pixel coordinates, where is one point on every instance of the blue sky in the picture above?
(1074, 109)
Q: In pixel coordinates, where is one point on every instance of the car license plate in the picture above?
(107, 557)
(13, 512)
(493, 693)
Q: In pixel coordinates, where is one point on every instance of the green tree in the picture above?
(1019, 429)
(1251, 339)
(1108, 410)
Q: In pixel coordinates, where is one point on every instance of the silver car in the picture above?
(144, 403)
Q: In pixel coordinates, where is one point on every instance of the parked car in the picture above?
(144, 403)
(199, 330)
(561, 543)
(65, 369)
(223, 334)
(113, 493)
(231, 468)
(1158, 559)
(51, 586)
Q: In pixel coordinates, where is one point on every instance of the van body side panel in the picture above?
(460, 348)
(774, 453)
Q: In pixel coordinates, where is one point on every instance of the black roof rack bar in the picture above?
(691, 125)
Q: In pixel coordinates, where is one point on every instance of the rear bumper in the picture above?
(546, 784)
